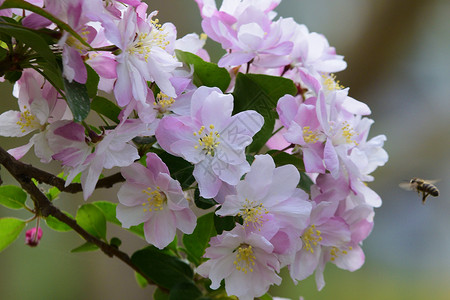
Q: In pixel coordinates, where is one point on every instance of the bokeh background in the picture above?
(398, 55)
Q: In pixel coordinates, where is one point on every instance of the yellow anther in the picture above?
(207, 140)
(309, 136)
(26, 120)
(311, 237)
(245, 258)
(331, 83)
(156, 199)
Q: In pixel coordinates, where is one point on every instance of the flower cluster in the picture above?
(311, 208)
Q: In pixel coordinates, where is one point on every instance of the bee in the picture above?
(426, 187)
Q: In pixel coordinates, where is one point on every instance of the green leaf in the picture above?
(160, 295)
(180, 169)
(31, 39)
(165, 270)
(91, 218)
(92, 81)
(36, 9)
(261, 93)
(12, 196)
(77, 99)
(10, 228)
(201, 202)
(196, 243)
(109, 211)
(53, 193)
(282, 158)
(266, 297)
(85, 248)
(205, 73)
(305, 182)
(184, 290)
(224, 223)
(56, 224)
(106, 108)
(141, 281)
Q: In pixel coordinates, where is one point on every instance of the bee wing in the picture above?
(406, 186)
(433, 181)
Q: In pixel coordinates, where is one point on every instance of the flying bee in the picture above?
(426, 187)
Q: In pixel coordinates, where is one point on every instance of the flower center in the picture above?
(311, 237)
(26, 119)
(252, 212)
(245, 258)
(335, 252)
(309, 136)
(156, 199)
(144, 41)
(163, 103)
(76, 44)
(207, 141)
(330, 82)
(348, 133)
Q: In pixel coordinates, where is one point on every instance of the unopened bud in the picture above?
(33, 236)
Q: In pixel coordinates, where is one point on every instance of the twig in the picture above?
(23, 174)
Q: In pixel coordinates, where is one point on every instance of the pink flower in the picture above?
(269, 192)
(33, 236)
(246, 30)
(90, 155)
(152, 197)
(39, 107)
(211, 138)
(147, 55)
(244, 260)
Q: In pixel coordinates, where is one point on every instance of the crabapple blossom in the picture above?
(89, 156)
(269, 192)
(244, 260)
(39, 107)
(211, 138)
(152, 197)
(246, 30)
(146, 55)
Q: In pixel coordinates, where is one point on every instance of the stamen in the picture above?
(335, 252)
(309, 136)
(26, 119)
(245, 258)
(311, 237)
(253, 213)
(144, 42)
(331, 83)
(156, 200)
(208, 142)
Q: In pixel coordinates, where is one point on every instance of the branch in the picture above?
(23, 174)
(45, 177)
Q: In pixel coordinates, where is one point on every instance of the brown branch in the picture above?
(44, 207)
(48, 178)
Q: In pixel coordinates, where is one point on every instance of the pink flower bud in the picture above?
(32, 237)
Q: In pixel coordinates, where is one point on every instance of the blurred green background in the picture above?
(398, 63)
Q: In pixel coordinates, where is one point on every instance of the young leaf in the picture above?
(85, 248)
(261, 93)
(12, 196)
(56, 224)
(165, 270)
(91, 218)
(77, 99)
(10, 228)
(141, 281)
(205, 73)
(105, 107)
(196, 243)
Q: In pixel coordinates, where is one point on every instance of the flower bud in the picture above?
(33, 236)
